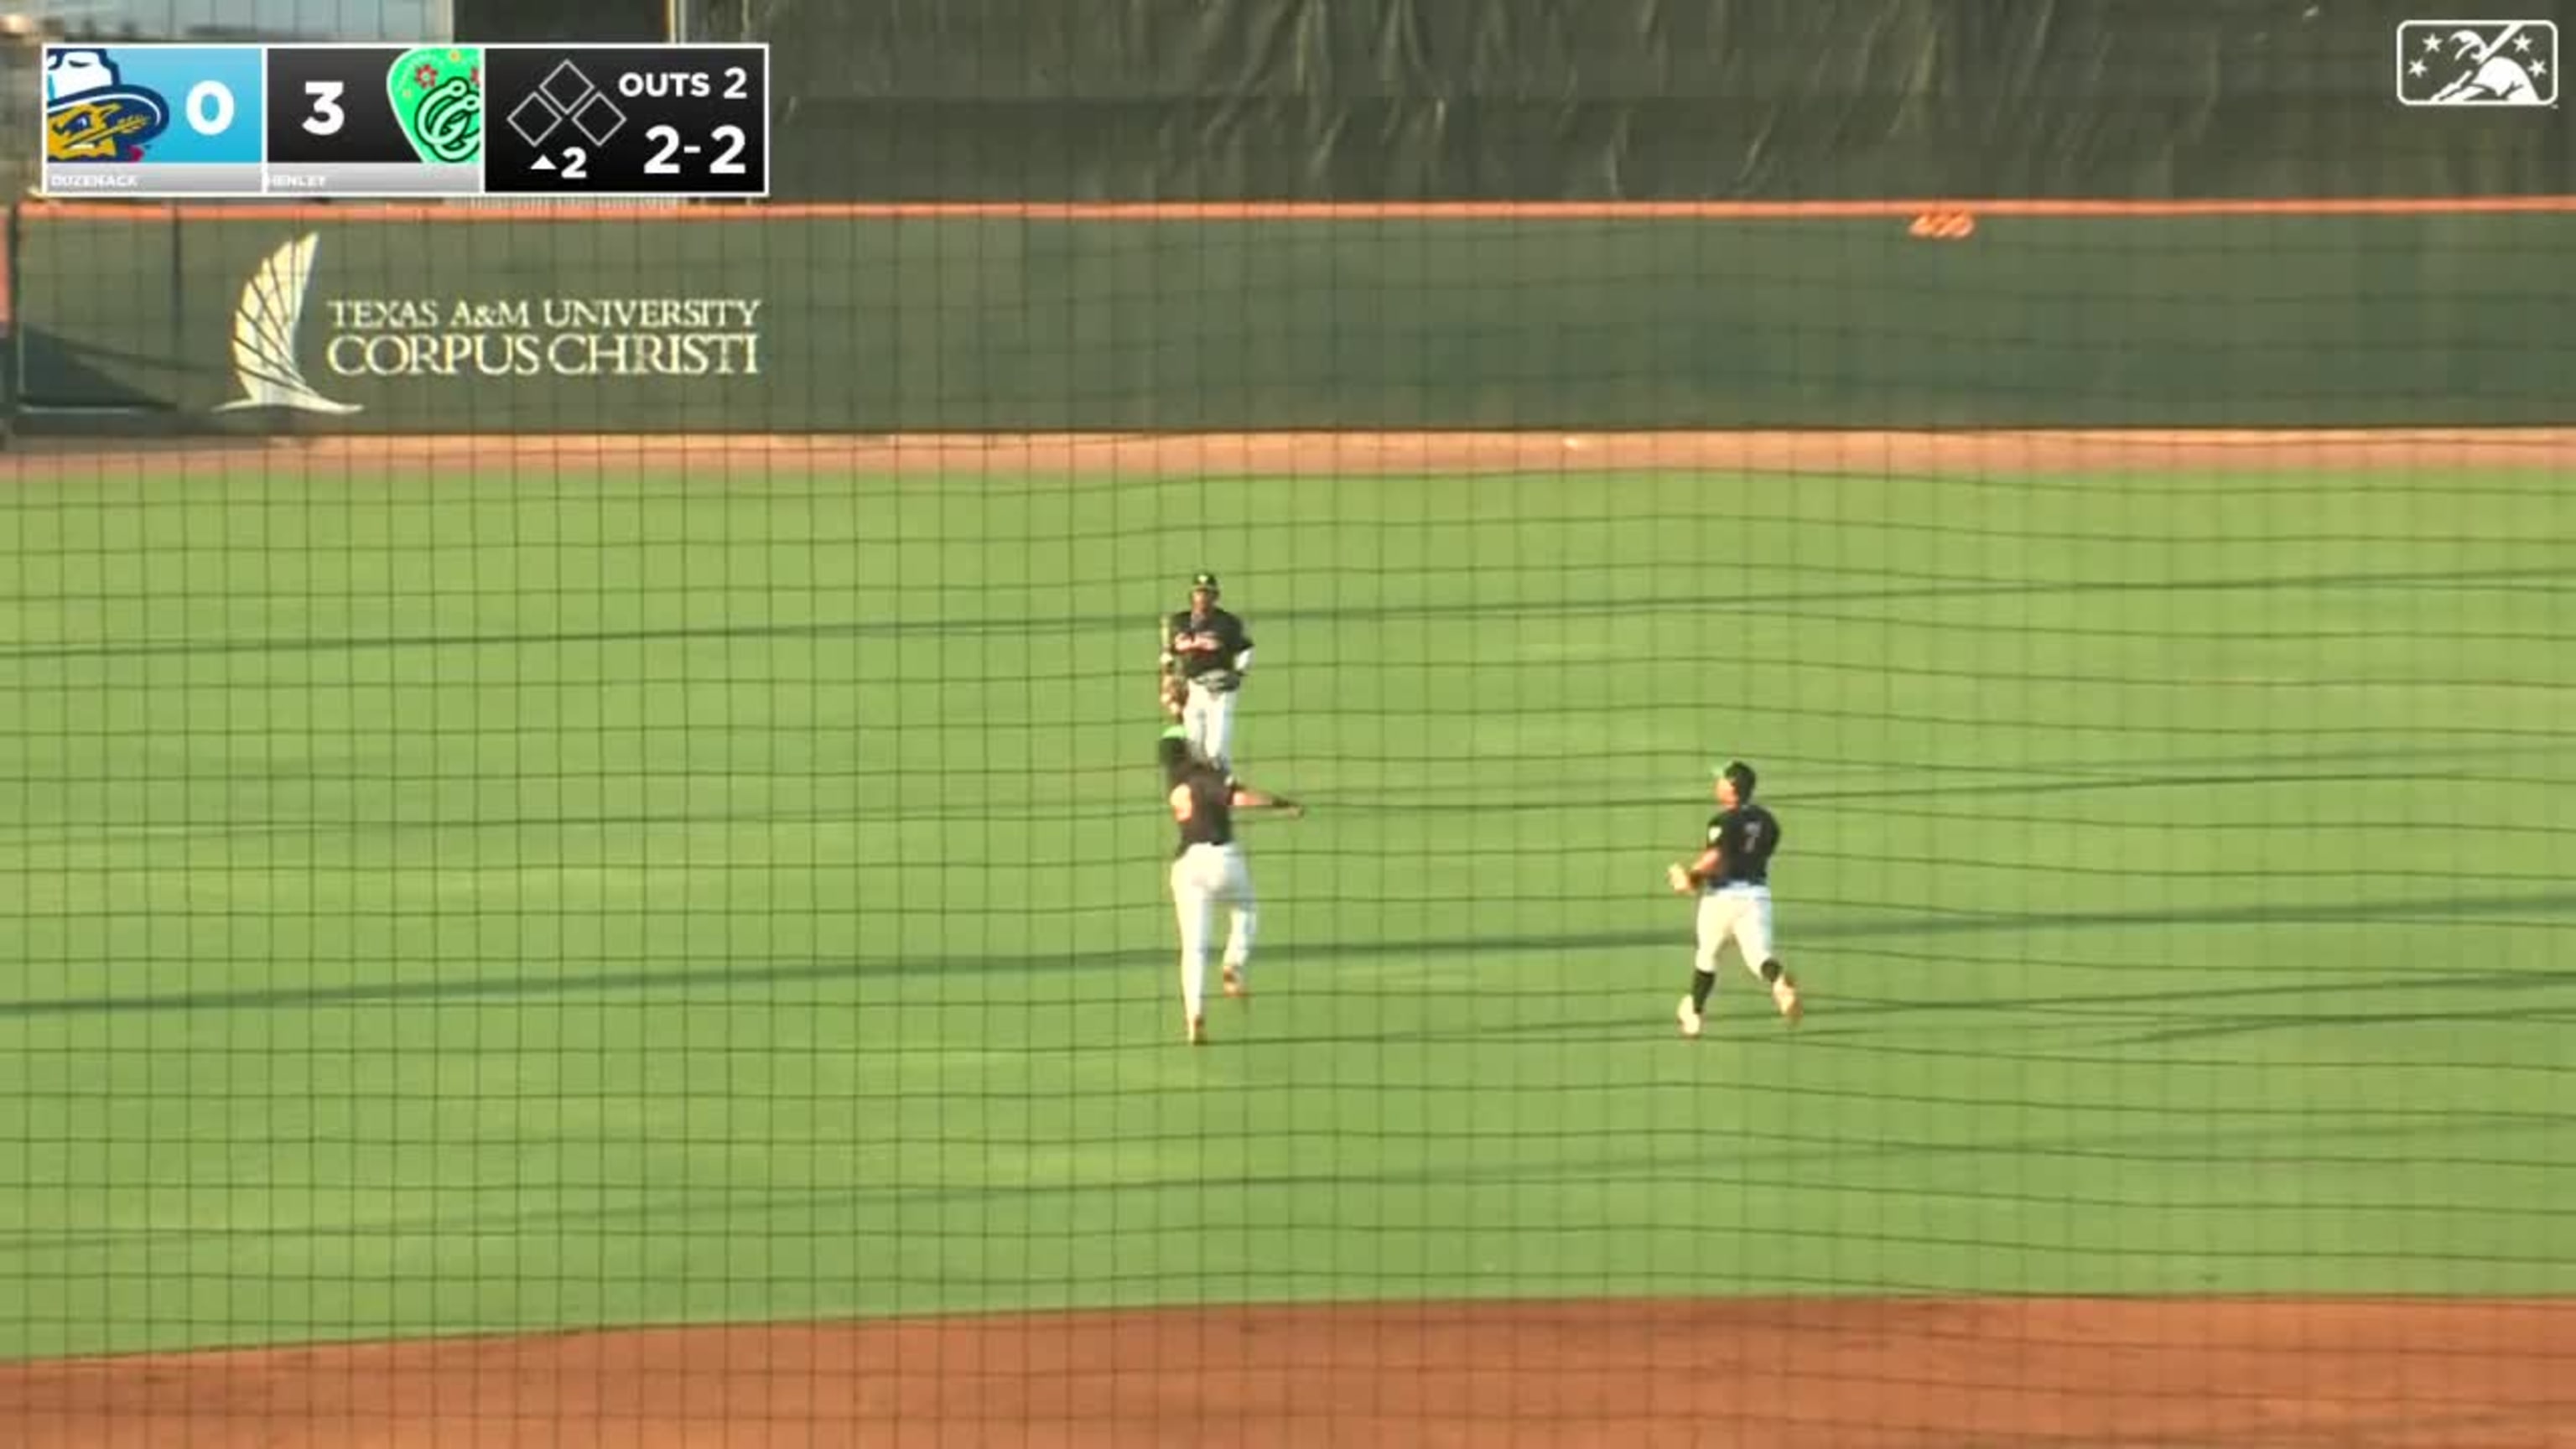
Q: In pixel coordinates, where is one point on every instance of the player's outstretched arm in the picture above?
(1247, 798)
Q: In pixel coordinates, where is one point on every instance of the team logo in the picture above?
(438, 97)
(2477, 63)
(264, 327)
(91, 114)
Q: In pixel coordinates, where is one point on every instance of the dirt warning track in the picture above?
(1851, 1374)
(1980, 454)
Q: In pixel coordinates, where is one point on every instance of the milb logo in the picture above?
(2477, 63)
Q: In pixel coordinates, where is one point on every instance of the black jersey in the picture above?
(1207, 645)
(1744, 839)
(1210, 820)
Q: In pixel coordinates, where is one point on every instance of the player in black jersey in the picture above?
(1732, 878)
(1206, 652)
(1209, 868)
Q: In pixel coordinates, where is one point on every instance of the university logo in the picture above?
(2477, 63)
(464, 338)
(264, 326)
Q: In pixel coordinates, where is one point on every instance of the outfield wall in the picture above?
(409, 322)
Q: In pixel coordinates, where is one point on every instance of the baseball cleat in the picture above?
(1688, 1016)
(1198, 1031)
(1233, 982)
(1784, 994)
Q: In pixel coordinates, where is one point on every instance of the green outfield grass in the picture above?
(444, 903)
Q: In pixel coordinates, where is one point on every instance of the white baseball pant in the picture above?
(1208, 716)
(1737, 913)
(1204, 877)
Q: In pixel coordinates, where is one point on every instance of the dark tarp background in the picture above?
(1628, 100)
(598, 21)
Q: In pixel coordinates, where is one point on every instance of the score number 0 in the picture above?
(210, 108)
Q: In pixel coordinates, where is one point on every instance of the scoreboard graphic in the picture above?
(631, 120)
(375, 120)
(394, 121)
(140, 120)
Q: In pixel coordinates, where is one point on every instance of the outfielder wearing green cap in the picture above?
(1209, 869)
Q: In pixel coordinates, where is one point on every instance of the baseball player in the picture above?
(1732, 878)
(2487, 74)
(1209, 868)
(1206, 652)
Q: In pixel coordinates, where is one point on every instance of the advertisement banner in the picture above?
(999, 324)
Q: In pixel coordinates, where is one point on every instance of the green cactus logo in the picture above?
(438, 96)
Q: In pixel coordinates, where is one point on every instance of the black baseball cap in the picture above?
(1203, 581)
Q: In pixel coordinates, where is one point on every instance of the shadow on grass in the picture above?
(1714, 1159)
(1015, 626)
(738, 975)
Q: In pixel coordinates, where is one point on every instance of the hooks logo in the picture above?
(264, 326)
(438, 100)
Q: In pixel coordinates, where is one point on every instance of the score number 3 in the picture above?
(728, 162)
(327, 117)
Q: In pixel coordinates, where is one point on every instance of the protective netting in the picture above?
(565, 773)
